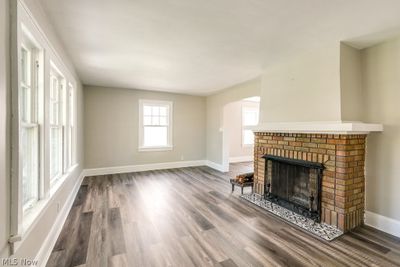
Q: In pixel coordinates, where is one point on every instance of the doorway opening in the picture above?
(238, 138)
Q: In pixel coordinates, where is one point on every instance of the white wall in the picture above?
(233, 127)
(111, 121)
(342, 83)
(215, 106)
(381, 92)
(307, 88)
(350, 83)
(32, 241)
(4, 134)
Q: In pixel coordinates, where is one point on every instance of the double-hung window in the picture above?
(57, 124)
(29, 139)
(155, 130)
(69, 135)
(249, 118)
(43, 120)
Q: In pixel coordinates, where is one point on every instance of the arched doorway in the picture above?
(238, 138)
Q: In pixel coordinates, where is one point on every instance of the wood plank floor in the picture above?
(188, 217)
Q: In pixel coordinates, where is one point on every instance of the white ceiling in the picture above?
(199, 47)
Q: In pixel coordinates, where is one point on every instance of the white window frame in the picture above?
(34, 122)
(70, 127)
(23, 216)
(249, 126)
(23, 221)
(169, 104)
(59, 124)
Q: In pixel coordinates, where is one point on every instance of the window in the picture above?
(249, 118)
(29, 124)
(57, 124)
(70, 134)
(155, 119)
(43, 120)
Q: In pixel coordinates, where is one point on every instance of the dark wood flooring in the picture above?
(188, 217)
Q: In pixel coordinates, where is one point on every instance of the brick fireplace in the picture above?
(343, 178)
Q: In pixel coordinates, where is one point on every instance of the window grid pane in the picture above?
(25, 104)
(155, 111)
(55, 152)
(163, 121)
(155, 120)
(71, 107)
(59, 142)
(70, 140)
(248, 137)
(30, 172)
(155, 115)
(155, 136)
(147, 120)
(163, 111)
(250, 117)
(29, 130)
(25, 67)
(70, 126)
(54, 101)
(147, 110)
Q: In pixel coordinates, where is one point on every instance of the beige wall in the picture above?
(33, 240)
(215, 105)
(111, 135)
(306, 88)
(4, 134)
(381, 90)
(350, 83)
(233, 127)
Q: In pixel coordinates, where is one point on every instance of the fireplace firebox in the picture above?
(294, 184)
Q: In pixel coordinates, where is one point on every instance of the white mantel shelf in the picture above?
(334, 127)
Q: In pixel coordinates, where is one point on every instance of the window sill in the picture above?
(58, 183)
(154, 148)
(33, 215)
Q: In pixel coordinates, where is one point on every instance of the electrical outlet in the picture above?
(182, 157)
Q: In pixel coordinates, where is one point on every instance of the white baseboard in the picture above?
(216, 166)
(241, 159)
(143, 167)
(51, 239)
(383, 223)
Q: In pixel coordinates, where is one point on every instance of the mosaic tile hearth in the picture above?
(321, 230)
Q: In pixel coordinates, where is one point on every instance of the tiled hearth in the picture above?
(322, 230)
(343, 182)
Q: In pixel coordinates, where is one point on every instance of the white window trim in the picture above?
(34, 122)
(169, 146)
(62, 110)
(69, 126)
(23, 223)
(247, 127)
(74, 121)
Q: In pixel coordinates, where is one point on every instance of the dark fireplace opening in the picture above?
(294, 184)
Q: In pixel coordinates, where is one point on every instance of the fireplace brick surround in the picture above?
(343, 180)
